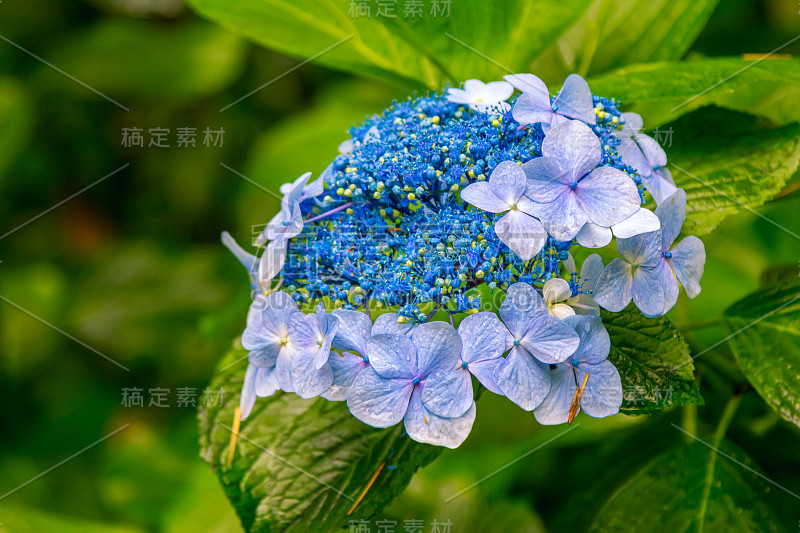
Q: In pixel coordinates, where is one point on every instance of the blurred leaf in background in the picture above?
(188, 60)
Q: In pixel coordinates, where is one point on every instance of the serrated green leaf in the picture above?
(765, 329)
(301, 465)
(726, 164)
(604, 38)
(485, 39)
(661, 92)
(653, 361)
(692, 488)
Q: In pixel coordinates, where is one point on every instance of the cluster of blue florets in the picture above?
(444, 201)
(406, 240)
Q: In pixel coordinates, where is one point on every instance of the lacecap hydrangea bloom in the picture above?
(436, 254)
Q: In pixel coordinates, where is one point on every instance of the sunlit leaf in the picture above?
(613, 33)
(663, 91)
(21, 520)
(472, 38)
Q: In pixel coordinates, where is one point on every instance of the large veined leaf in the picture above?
(653, 361)
(726, 165)
(472, 38)
(765, 329)
(301, 465)
(694, 488)
(613, 33)
(663, 91)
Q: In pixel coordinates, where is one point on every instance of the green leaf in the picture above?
(766, 343)
(662, 92)
(128, 59)
(22, 520)
(201, 508)
(604, 38)
(409, 50)
(476, 515)
(301, 465)
(726, 165)
(653, 360)
(16, 121)
(692, 488)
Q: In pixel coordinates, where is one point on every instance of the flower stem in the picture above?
(726, 418)
(328, 213)
(719, 434)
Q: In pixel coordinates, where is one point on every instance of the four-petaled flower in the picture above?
(288, 223)
(311, 190)
(409, 378)
(355, 329)
(574, 101)
(569, 191)
(267, 338)
(537, 340)
(648, 269)
(482, 97)
(556, 292)
(311, 336)
(686, 260)
(602, 395)
(484, 341)
(505, 193)
(644, 154)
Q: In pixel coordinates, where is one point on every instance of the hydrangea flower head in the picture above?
(435, 211)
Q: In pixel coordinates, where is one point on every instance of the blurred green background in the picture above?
(133, 268)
